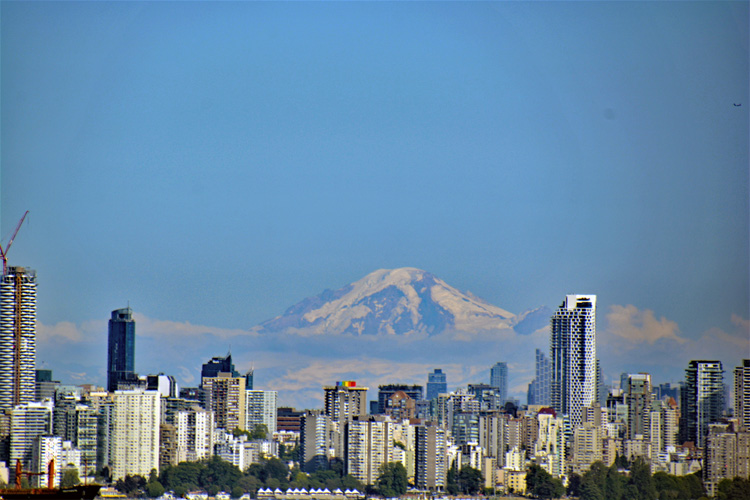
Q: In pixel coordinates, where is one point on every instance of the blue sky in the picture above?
(216, 162)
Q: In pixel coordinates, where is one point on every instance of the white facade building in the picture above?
(549, 448)
(17, 318)
(27, 422)
(195, 434)
(135, 433)
(573, 347)
(261, 409)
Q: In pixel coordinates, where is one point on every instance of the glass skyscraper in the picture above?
(121, 350)
(436, 384)
(539, 389)
(499, 380)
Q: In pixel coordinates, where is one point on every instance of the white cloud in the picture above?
(148, 327)
(64, 331)
(635, 325)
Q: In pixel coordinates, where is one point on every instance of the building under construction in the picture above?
(17, 337)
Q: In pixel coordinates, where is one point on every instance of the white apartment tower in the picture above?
(367, 448)
(573, 348)
(28, 421)
(195, 434)
(261, 409)
(135, 433)
(17, 337)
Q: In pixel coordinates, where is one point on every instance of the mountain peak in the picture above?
(399, 301)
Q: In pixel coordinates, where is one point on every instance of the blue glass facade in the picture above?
(436, 384)
(121, 350)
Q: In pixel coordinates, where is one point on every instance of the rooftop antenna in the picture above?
(4, 251)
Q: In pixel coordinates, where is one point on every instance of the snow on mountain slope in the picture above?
(392, 302)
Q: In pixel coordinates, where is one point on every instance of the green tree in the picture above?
(541, 484)
(185, 475)
(69, 477)
(733, 489)
(289, 453)
(591, 491)
(249, 484)
(614, 483)
(574, 485)
(260, 431)
(350, 482)
(469, 480)
(452, 480)
(392, 480)
(276, 468)
(219, 473)
(154, 489)
(641, 480)
(594, 483)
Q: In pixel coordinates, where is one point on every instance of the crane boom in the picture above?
(4, 251)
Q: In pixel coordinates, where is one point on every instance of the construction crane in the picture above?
(4, 251)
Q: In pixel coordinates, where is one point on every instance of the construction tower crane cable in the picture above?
(4, 251)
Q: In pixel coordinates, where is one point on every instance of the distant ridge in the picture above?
(404, 301)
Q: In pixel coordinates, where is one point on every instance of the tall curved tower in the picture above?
(17, 337)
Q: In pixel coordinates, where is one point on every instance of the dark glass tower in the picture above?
(436, 384)
(121, 351)
(217, 365)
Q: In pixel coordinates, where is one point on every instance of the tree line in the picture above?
(214, 474)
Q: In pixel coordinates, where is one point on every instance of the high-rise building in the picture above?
(121, 349)
(702, 400)
(637, 394)
(166, 385)
(742, 393)
(226, 397)
(430, 457)
(17, 337)
(436, 384)
(45, 387)
(368, 446)
(539, 389)
(261, 409)
(28, 421)
(217, 365)
(493, 435)
(499, 380)
(316, 440)
(386, 391)
(573, 347)
(194, 429)
(727, 455)
(135, 433)
(345, 400)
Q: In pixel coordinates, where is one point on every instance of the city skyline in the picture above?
(230, 160)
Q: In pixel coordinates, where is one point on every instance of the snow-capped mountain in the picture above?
(396, 302)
